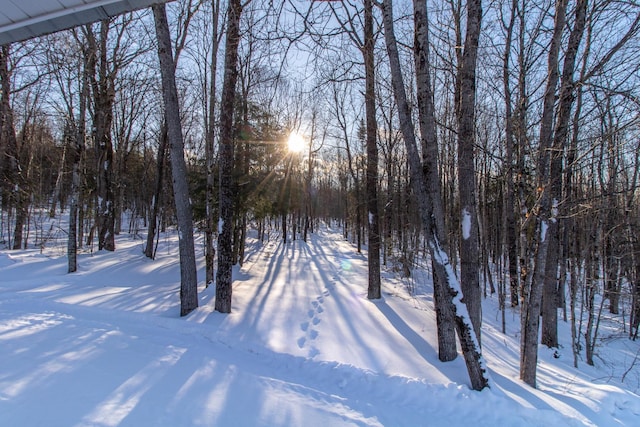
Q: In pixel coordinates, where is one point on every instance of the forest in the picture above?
(496, 142)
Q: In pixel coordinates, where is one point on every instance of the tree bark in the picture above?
(373, 255)
(546, 215)
(188, 273)
(510, 148)
(5, 91)
(209, 148)
(426, 113)
(442, 267)
(156, 201)
(531, 308)
(469, 234)
(11, 180)
(549, 332)
(76, 157)
(226, 160)
(510, 165)
(102, 83)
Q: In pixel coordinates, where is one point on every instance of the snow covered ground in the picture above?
(302, 347)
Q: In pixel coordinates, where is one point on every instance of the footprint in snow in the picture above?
(304, 326)
(313, 334)
(301, 342)
(315, 320)
(319, 309)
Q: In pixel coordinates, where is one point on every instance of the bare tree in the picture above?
(102, 81)
(441, 265)
(188, 273)
(426, 112)
(510, 150)
(76, 153)
(373, 255)
(551, 149)
(224, 278)
(12, 185)
(469, 242)
(531, 308)
(185, 14)
(210, 143)
(157, 199)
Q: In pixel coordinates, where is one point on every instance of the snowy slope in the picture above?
(302, 347)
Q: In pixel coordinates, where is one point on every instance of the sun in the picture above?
(296, 143)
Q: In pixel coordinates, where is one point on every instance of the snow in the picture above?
(370, 218)
(543, 230)
(220, 225)
(303, 346)
(466, 224)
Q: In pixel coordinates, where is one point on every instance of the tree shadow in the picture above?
(416, 340)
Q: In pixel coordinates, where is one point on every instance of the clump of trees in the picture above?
(498, 141)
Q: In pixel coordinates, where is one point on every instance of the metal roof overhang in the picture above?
(24, 19)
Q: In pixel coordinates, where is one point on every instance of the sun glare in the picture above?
(296, 143)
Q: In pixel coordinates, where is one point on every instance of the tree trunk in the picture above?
(442, 267)
(469, 241)
(532, 309)
(102, 82)
(76, 157)
(157, 200)
(188, 273)
(12, 181)
(68, 141)
(373, 255)
(226, 156)
(553, 186)
(307, 225)
(510, 148)
(21, 205)
(444, 316)
(210, 151)
(551, 144)
(5, 111)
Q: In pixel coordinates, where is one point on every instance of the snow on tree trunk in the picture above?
(470, 240)
(552, 145)
(471, 350)
(426, 113)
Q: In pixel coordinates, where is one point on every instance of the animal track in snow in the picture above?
(307, 327)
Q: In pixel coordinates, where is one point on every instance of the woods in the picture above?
(495, 144)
